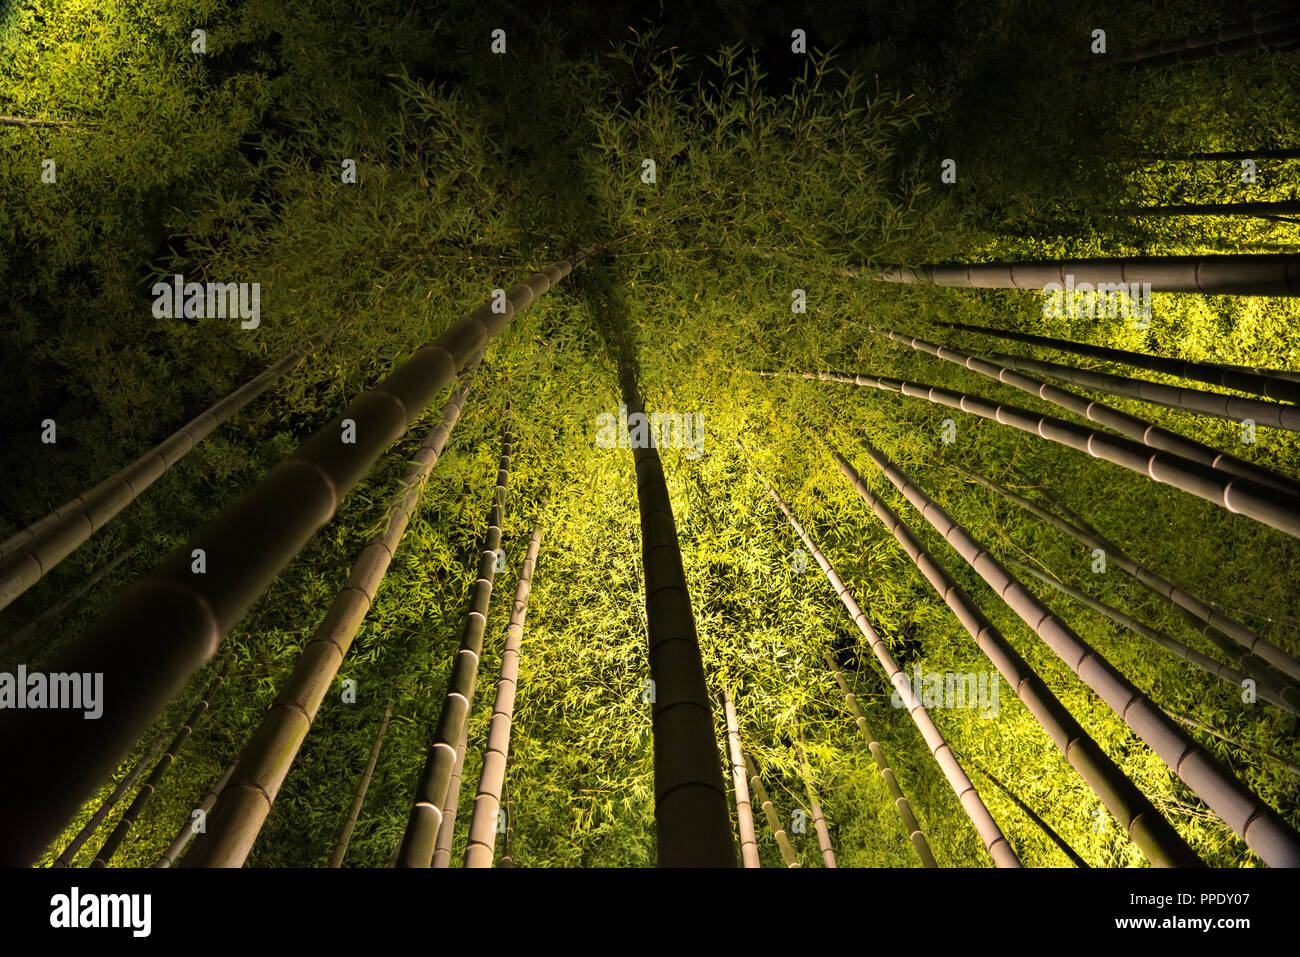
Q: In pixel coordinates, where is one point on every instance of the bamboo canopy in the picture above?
(420, 839)
(341, 848)
(1142, 823)
(177, 847)
(161, 630)
(740, 787)
(447, 829)
(1255, 822)
(773, 820)
(491, 782)
(819, 819)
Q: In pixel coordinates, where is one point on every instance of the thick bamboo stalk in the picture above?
(1245, 496)
(487, 801)
(1255, 822)
(1198, 401)
(819, 819)
(773, 820)
(1255, 381)
(150, 786)
(341, 848)
(420, 839)
(246, 802)
(58, 608)
(166, 626)
(1127, 425)
(998, 847)
(177, 848)
(1230, 275)
(910, 826)
(32, 552)
(1214, 625)
(1034, 816)
(1291, 766)
(744, 809)
(1142, 823)
(447, 829)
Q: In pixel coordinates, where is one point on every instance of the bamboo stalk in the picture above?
(1255, 822)
(159, 771)
(487, 802)
(38, 121)
(910, 826)
(773, 821)
(341, 848)
(998, 847)
(165, 627)
(744, 809)
(506, 859)
(420, 839)
(58, 608)
(1209, 38)
(1272, 210)
(260, 771)
(1237, 41)
(1214, 732)
(1241, 155)
(1142, 823)
(819, 819)
(447, 829)
(177, 848)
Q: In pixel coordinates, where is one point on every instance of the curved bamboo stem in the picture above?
(177, 848)
(341, 848)
(773, 820)
(744, 809)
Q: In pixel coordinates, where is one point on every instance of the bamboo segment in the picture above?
(506, 859)
(177, 848)
(162, 629)
(1033, 815)
(1197, 401)
(341, 848)
(1213, 624)
(1128, 425)
(1272, 274)
(773, 821)
(1268, 383)
(32, 552)
(819, 819)
(1142, 823)
(1235, 40)
(487, 802)
(447, 829)
(420, 839)
(1214, 732)
(244, 804)
(1245, 496)
(22, 634)
(913, 829)
(1211, 38)
(1255, 822)
(744, 810)
(994, 842)
(160, 770)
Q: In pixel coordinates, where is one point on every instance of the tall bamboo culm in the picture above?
(31, 553)
(487, 801)
(740, 787)
(341, 847)
(243, 806)
(177, 847)
(1264, 832)
(998, 847)
(773, 819)
(815, 806)
(447, 829)
(913, 829)
(162, 630)
(421, 837)
(150, 786)
(1142, 823)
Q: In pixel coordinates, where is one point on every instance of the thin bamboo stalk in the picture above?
(910, 826)
(159, 771)
(1262, 210)
(447, 829)
(773, 820)
(177, 848)
(1142, 823)
(819, 819)
(1255, 822)
(166, 626)
(420, 839)
(1127, 425)
(744, 809)
(58, 608)
(506, 859)
(1237, 43)
(1255, 381)
(246, 802)
(341, 848)
(1238, 494)
(1214, 732)
(998, 847)
(487, 801)
(1241, 155)
(1209, 38)
(37, 121)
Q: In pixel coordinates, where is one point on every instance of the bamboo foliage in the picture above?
(182, 841)
(447, 829)
(819, 819)
(487, 801)
(341, 848)
(998, 847)
(150, 786)
(1255, 822)
(910, 826)
(58, 608)
(246, 802)
(773, 819)
(1141, 822)
(740, 787)
(420, 840)
(1034, 816)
